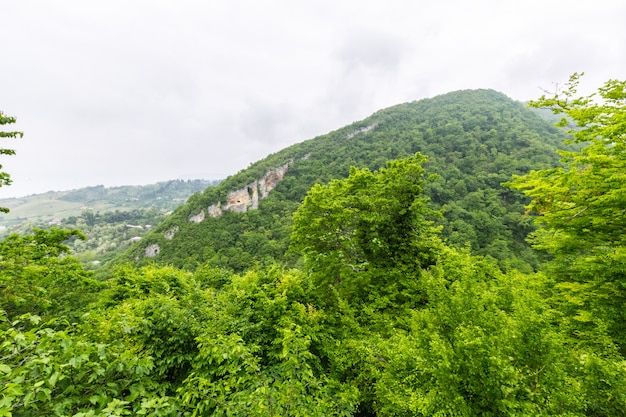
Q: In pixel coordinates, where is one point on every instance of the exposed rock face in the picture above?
(361, 130)
(271, 179)
(152, 251)
(197, 218)
(170, 233)
(239, 200)
(246, 198)
(215, 210)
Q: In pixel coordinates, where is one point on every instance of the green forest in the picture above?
(474, 141)
(454, 256)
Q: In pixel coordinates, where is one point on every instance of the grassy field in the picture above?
(46, 207)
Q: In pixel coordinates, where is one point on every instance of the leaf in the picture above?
(53, 378)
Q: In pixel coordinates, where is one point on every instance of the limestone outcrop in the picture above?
(239, 201)
(197, 218)
(246, 198)
(169, 235)
(361, 130)
(152, 251)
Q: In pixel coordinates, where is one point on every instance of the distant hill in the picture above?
(56, 205)
(111, 217)
(475, 140)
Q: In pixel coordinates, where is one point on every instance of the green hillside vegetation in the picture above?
(474, 141)
(382, 314)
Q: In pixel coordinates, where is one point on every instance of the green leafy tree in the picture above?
(354, 232)
(5, 178)
(365, 241)
(486, 344)
(582, 207)
(423, 329)
(158, 312)
(37, 276)
(258, 357)
(50, 368)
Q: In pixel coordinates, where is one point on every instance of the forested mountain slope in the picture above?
(474, 141)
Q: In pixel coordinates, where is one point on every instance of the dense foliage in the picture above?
(474, 141)
(582, 207)
(383, 315)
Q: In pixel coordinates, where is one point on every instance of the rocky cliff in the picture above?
(239, 201)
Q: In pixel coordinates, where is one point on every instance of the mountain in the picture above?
(474, 139)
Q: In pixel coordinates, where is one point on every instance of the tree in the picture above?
(486, 344)
(581, 207)
(37, 277)
(354, 232)
(5, 178)
(50, 368)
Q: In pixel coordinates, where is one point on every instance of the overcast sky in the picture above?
(133, 92)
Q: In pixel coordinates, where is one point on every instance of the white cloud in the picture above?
(123, 92)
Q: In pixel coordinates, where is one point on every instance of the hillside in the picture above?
(474, 139)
